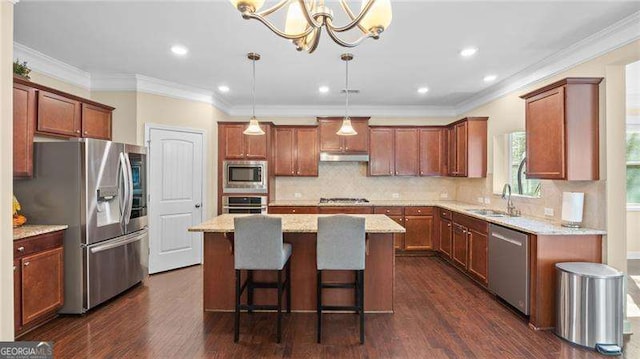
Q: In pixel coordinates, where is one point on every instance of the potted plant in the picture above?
(21, 69)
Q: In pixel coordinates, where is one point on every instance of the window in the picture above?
(520, 184)
(633, 166)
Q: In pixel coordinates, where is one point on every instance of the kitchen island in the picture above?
(301, 231)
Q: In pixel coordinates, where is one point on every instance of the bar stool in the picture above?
(258, 246)
(341, 246)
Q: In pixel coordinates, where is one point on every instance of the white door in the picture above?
(175, 189)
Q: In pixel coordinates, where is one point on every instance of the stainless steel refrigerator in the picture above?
(98, 188)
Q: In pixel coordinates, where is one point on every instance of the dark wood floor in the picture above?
(439, 314)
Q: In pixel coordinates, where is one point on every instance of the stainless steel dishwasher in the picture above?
(509, 266)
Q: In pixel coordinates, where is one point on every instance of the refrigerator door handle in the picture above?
(129, 198)
(125, 181)
(104, 247)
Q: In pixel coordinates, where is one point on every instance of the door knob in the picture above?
(198, 205)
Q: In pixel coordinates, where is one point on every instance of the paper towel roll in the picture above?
(572, 207)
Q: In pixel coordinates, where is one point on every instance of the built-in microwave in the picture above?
(244, 176)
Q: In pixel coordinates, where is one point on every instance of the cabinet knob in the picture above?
(448, 224)
(421, 172)
(396, 172)
(419, 211)
(77, 131)
(346, 147)
(26, 264)
(291, 172)
(406, 219)
(20, 249)
(294, 211)
(387, 211)
(298, 172)
(14, 268)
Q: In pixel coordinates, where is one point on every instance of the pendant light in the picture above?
(346, 129)
(254, 128)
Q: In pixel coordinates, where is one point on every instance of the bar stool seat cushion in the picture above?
(258, 243)
(341, 243)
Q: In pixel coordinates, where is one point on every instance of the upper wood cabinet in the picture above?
(58, 115)
(562, 130)
(467, 146)
(24, 122)
(432, 152)
(237, 145)
(381, 151)
(296, 151)
(330, 142)
(96, 122)
(406, 151)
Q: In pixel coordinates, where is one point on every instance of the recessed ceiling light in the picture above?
(223, 88)
(490, 78)
(179, 50)
(469, 51)
(323, 89)
(423, 90)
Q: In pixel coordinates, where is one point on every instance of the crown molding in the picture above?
(615, 36)
(49, 66)
(314, 111)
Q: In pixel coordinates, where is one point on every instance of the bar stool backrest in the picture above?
(258, 242)
(341, 243)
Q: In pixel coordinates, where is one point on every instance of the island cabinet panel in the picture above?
(38, 280)
(406, 151)
(562, 128)
(331, 142)
(58, 115)
(381, 152)
(239, 146)
(296, 151)
(24, 122)
(96, 122)
(345, 210)
(432, 152)
(293, 210)
(419, 232)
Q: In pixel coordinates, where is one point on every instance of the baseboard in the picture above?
(633, 255)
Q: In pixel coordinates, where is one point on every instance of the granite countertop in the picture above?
(30, 230)
(300, 223)
(525, 224)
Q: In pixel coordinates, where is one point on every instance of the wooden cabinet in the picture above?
(293, 210)
(562, 129)
(418, 222)
(406, 151)
(432, 152)
(237, 145)
(467, 146)
(96, 122)
(24, 122)
(478, 251)
(381, 151)
(58, 115)
(38, 280)
(459, 245)
(397, 215)
(332, 143)
(296, 151)
(445, 232)
(345, 210)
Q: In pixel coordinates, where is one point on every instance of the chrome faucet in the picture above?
(511, 208)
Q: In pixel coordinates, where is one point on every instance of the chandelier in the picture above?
(306, 18)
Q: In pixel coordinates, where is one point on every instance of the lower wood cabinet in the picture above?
(418, 222)
(345, 210)
(445, 236)
(459, 244)
(478, 246)
(38, 280)
(469, 243)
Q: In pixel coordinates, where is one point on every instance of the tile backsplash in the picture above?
(349, 179)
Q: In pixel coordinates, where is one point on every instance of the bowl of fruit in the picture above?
(18, 219)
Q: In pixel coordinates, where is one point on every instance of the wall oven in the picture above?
(244, 204)
(244, 176)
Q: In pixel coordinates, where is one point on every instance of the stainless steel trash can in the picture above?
(589, 304)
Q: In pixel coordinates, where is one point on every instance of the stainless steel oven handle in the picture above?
(519, 244)
(104, 247)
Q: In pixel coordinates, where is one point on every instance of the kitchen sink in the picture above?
(487, 212)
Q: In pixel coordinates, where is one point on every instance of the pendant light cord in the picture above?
(346, 90)
(253, 89)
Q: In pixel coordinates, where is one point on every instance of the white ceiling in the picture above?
(421, 47)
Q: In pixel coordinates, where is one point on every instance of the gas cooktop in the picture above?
(344, 200)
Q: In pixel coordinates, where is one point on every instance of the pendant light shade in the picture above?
(254, 128)
(346, 129)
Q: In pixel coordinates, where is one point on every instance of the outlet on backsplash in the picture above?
(487, 200)
(297, 195)
(395, 195)
(548, 212)
(480, 200)
(444, 195)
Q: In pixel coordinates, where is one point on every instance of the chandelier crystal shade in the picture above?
(254, 128)
(306, 18)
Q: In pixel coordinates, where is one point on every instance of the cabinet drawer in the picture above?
(389, 211)
(293, 210)
(444, 213)
(35, 244)
(471, 223)
(346, 210)
(418, 211)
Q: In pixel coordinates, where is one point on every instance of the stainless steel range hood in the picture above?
(333, 157)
